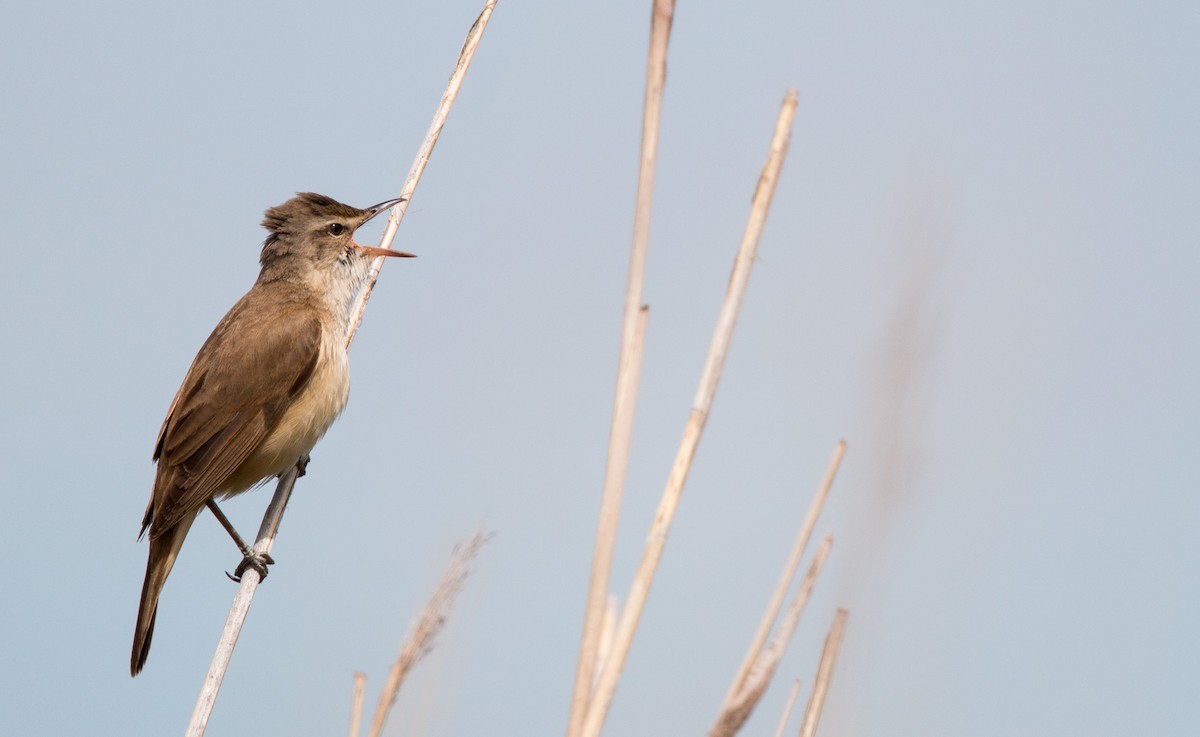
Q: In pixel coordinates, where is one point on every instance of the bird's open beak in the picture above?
(373, 251)
(386, 204)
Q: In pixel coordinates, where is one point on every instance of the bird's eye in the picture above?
(336, 229)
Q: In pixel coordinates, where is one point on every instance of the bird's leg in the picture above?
(250, 559)
(237, 539)
(302, 465)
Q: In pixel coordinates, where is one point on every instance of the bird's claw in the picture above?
(302, 465)
(256, 562)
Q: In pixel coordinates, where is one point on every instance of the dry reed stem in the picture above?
(633, 330)
(812, 713)
(360, 682)
(787, 708)
(738, 706)
(433, 618)
(422, 158)
(607, 631)
(239, 608)
(789, 571)
(636, 599)
(283, 490)
(620, 438)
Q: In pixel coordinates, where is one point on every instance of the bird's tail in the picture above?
(163, 549)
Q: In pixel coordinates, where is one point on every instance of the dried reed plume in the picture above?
(433, 618)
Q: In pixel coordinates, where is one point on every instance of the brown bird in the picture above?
(265, 386)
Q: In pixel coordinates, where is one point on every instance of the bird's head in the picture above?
(312, 236)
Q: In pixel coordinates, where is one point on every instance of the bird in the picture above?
(266, 385)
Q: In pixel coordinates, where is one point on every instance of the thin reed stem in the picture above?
(816, 702)
(422, 158)
(787, 708)
(620, 439)
(360, 682)
(738, 707)
(240, 607)
(789, 570)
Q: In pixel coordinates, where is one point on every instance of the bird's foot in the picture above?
(302, 465)
(254, 561)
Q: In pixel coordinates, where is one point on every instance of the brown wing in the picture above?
(220, 415)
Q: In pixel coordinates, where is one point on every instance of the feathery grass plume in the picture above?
(433, 618)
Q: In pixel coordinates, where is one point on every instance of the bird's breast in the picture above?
(304, 422)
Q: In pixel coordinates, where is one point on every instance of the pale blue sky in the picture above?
(980, 269)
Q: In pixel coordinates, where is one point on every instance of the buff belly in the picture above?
(302, 425)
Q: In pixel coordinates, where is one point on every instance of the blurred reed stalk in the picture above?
(787, 708)
(360, 682)
(816, 701)
(283, 490)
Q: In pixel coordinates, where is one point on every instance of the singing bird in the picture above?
(265, 386)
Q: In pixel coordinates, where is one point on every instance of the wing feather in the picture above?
(219, 416)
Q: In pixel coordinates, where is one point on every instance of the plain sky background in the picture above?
(980, 269)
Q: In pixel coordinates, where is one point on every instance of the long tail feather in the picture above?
(163, 550)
